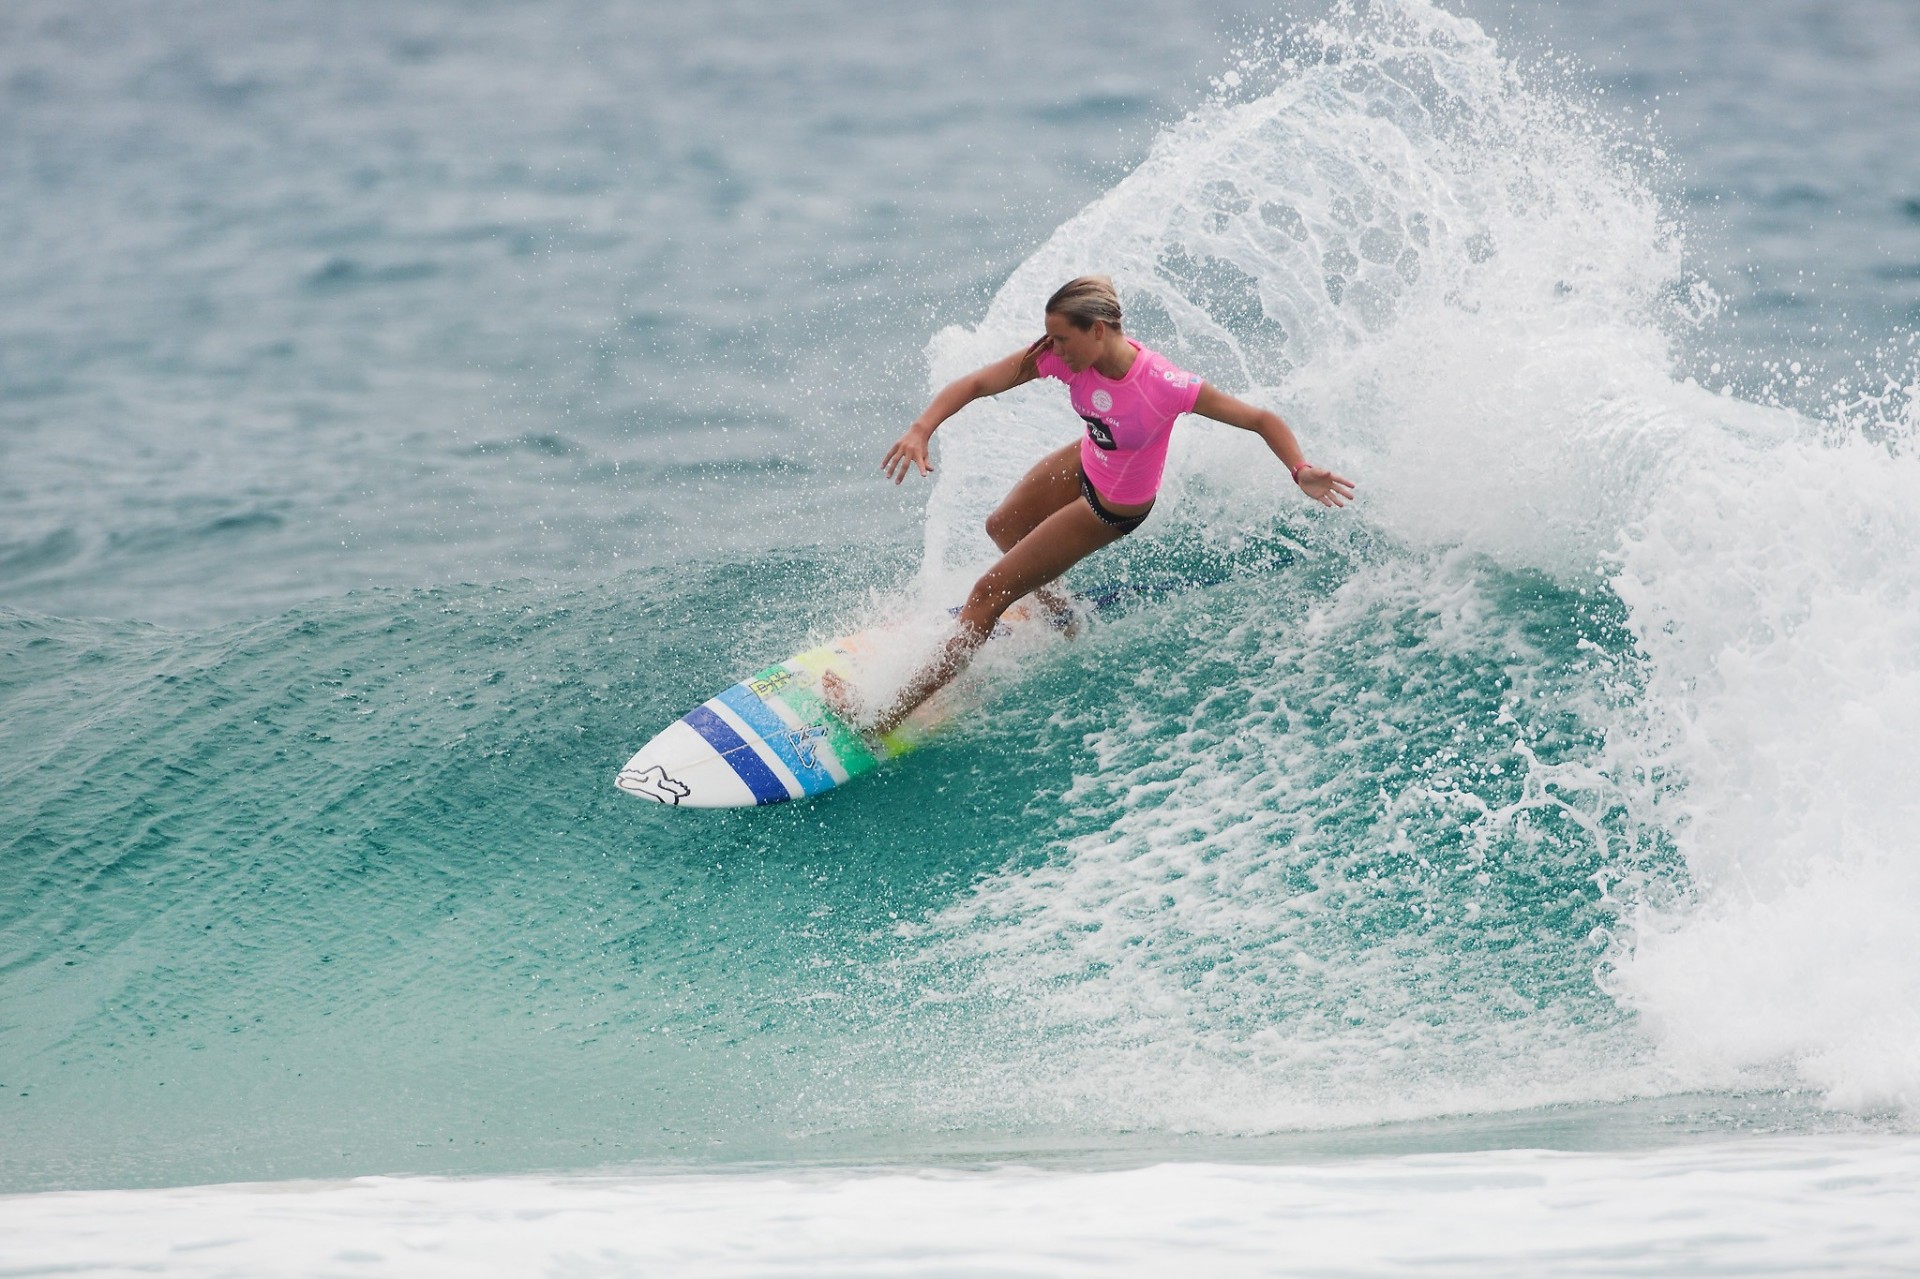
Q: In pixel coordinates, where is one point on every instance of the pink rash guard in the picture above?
(1129, 422)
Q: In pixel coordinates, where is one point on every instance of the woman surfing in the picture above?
(1086, 495)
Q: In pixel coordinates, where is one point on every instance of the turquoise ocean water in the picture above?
(405, 412)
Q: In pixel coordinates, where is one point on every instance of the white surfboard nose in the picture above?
(681, 768)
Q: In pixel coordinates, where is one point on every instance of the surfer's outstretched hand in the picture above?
(908, 451)
(1324, 487)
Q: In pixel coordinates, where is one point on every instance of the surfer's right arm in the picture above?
(910, 450)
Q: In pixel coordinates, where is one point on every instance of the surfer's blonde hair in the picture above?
(1087, 299)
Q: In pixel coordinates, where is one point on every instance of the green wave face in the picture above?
(348, 890)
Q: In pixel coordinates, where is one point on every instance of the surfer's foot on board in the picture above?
(1057, 607)
(840, 698)
(1063, 619)
(846, 702)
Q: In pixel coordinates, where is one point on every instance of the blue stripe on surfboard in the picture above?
(766, 788)
(773, 730)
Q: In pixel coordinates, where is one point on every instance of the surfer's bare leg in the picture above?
(1052, 482)
(1061, 540)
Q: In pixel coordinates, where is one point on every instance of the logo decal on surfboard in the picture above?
(803, 740)
(653, 783)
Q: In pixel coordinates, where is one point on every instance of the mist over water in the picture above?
(1567, 768)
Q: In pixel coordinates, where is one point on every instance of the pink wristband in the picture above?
(1295, 472)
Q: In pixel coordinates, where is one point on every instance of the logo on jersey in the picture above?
(1099, 432)
(1102, 402)
(1179, 377)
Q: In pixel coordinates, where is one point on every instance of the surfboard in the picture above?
(771, 737)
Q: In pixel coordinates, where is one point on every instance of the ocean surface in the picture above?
(406, 411)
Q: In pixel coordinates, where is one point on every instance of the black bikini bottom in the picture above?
(1125, 523)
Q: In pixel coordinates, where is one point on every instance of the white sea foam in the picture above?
(1787, 1207)
(1776, 593)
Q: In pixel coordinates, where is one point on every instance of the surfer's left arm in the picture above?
(1317, 482)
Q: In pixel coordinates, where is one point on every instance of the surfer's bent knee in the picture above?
(998, 524)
